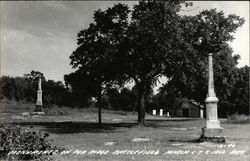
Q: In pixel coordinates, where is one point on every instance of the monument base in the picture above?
(212, 135)
(213, 124)
(38, 113)
(39, 108)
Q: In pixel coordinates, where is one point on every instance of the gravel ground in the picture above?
(119, 138)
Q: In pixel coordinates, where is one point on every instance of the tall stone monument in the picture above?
(39, 101)
(213, 128)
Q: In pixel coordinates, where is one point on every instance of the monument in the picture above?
(39, 102)
(161, 112)
(201, 113)
(213, 129)
(154, 112)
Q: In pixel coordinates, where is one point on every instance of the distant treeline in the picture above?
(25, 89)
(56, 93)
(236, 100)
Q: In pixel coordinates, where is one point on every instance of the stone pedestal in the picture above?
(212, 135)
(212, 131)
(39, 108)
(212, 121)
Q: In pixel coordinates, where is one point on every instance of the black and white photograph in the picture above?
(140, 80)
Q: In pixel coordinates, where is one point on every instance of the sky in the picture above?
(41, 35)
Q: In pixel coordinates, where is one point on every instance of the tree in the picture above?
(96, 55)
(113, 49)
(14, 88)
(239, 98)
(81, 87)
(54, 93)
(153, 39)
(34, 76)
(121, 100)
(156, 41)
(168, 97)
(208, 32)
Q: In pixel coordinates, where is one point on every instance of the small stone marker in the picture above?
(35, 116)
(179, 129)
(154, 112)
(25, 114)
(86, 116)
(191, 128)
(161, 112)
(177, 144)
(19, 117)
(109, 143)
(141, 140)
(38, 113)
(116, 120)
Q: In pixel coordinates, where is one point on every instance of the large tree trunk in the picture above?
(99, 110)
(142, 90)
(141, 110)
(99, 103)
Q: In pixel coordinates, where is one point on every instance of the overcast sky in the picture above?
(41, 35)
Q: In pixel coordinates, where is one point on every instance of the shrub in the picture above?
(236, 118)
(17, 139)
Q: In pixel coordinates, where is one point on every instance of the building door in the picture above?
(185, 112)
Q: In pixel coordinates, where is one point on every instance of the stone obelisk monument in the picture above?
(39, 102)
(213, 128)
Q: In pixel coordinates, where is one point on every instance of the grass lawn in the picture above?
(163, 138)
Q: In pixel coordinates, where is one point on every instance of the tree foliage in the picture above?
(25, 89)
(96, 55)
(121, 100)
(156, 40)
(208, 32)
(153, 43)
(238, 100)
